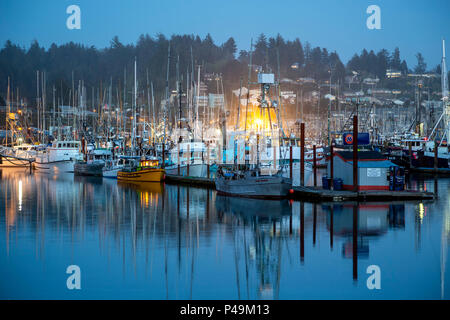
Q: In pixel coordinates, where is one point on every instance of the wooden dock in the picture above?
(191, 181)
(319, 194)
(316, 194)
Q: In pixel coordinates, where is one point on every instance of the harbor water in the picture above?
(160, 241)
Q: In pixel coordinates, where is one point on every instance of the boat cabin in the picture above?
(66, 145)
(153, 163)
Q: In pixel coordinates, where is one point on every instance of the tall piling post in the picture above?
(315, 165)
(355, 154)
(302, 157)
(188, 159)
(178, 150)
(290, 163)
(208, 161)
(332, 165)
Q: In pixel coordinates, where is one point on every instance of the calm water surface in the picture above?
(152, 241)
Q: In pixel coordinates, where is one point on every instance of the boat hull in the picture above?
(9, 162)
(88, 169)
(146, 175)
(264, 187)
(195, 170)
(111, 173)
(55, 167)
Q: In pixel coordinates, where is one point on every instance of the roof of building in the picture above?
(362, 155)
(375, 164)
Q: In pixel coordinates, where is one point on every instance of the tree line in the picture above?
(72, 62)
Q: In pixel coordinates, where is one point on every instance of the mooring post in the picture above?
(302, 150)
(435, 156)
(355, 153)
(178, 148)
(207, 159)
(314, 166)
(188, 159)
(290, 162)
(332, 165)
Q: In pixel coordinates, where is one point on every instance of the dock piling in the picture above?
(178, 148)
(302, 150)
(188, 158)
(314, 166)
(355, 153)
(332, 165)
(290, 162)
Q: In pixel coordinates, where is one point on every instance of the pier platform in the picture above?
(319, 194)
(191, 181)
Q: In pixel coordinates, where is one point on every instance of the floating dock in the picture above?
(191, 181)
(319, 194)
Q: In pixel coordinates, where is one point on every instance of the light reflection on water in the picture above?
(148, 241)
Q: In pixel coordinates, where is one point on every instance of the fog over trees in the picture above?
(93, 65)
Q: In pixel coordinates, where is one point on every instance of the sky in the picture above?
(338, 25)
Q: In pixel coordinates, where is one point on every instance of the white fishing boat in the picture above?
(192, 159)
(17, 156)
(59, 157)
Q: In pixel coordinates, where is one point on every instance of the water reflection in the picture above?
(156, 241)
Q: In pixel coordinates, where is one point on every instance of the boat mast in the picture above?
(445, 93)
(133, 137)
(166, 107)
(7, 115)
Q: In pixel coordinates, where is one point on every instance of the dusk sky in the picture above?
(412, 25)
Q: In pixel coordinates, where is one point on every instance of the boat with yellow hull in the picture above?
(145, 171)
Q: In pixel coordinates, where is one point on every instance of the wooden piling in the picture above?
(188, 159)
(332, 166)
(290, 162)
(302, 150)
(315, 165)
(178, 148)
(207, 160)
(355, 153)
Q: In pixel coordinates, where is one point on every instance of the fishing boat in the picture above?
(17, 156)
(59, 157)
(250, 183)
(143, 170)
(100, 163)
(192, 160)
